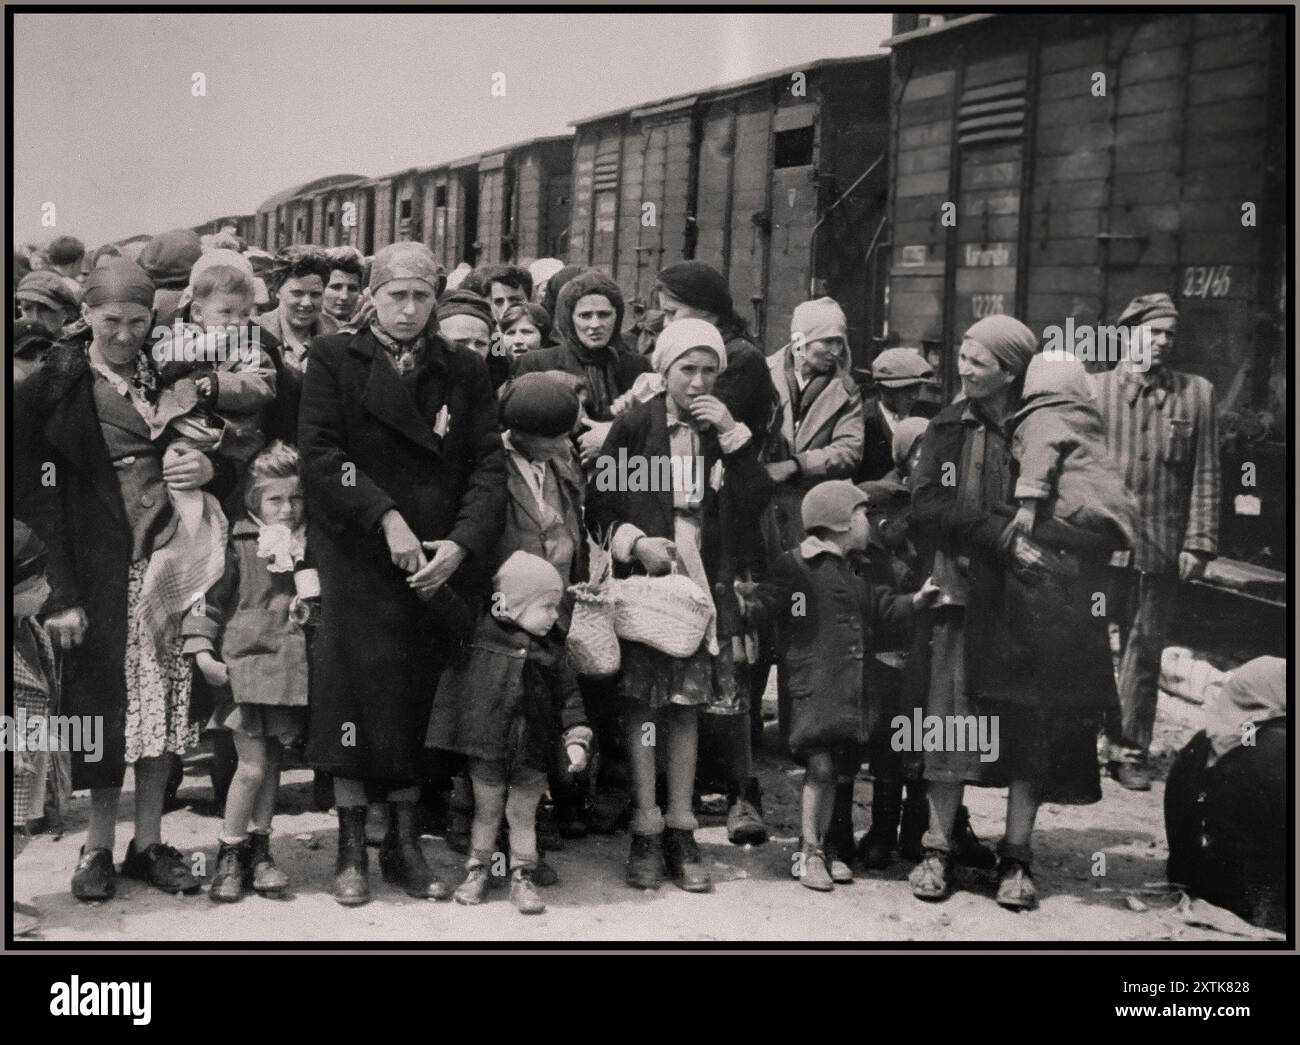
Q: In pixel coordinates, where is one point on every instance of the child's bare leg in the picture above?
(818, 797)
(244, 787)
(489, 805)
(521, 815)
(264, 805)
(683, 746)
(641, 734)
(945, 799)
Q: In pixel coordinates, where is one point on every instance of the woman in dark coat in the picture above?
(1014, 639)
(401, 456)
(692, 289)
(107, 512)
(652, 529)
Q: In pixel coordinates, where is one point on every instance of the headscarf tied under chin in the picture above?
(1254, 693)
(598, 364)
(1012, 343)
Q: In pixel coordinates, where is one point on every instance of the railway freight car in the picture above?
(244, 226)
(779, 181)
(288, 218)
(1053, 166)
(437, 205)
(343, 215)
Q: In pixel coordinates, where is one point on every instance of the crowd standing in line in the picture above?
(378, 529)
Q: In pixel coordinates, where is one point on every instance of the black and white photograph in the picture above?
(651, 477)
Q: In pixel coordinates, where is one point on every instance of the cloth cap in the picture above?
(1012, 343)
(405, 260)
(168, 258)
(49, 289)
(119, 279)
(907, 432)
(885, 494)
(819, 319)
(543, 269)
(1146, 307)
(28, 553)
(899, 367)
(522, 580)
(830, 505)
(463, 303)
(1064, 376)
(542, 403)
(681, 336)
(221, 256)
(698, 285)
(29, 340)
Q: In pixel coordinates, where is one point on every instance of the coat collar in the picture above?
(386, 398)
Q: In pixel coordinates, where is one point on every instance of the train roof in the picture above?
(959, 22)
(330, 181)
(690, 97)
(474, 159)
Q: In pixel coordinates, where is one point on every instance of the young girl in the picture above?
(498, 703)
(248, 639)
(524, 328)
(697, 526)
(827, 614)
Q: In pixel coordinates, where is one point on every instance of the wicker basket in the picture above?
(592, 642)
(670, 614)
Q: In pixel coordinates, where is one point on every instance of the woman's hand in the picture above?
(214, 672)
(67, 628)
(591, 440)
(1031, 560)
(1191, 565)
(447, 557)
(780, 471)
(655, 554)
(403, 546)
(185, 468)
(927, 596)
(708, 409)
(1026, 516)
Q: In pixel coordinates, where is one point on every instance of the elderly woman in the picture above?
(693, 525)
(1014, 640)
(401, 457)
(105, 521)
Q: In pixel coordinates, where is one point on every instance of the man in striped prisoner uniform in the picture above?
(1162, 428)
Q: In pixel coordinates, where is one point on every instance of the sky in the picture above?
(108, 126)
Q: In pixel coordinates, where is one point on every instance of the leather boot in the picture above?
(880, 841)
(402, 860)
(268, 880)
(684, 864)
(351, 879)
(232, 876)
(916, 821)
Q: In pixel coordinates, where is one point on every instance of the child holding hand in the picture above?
(248, 637)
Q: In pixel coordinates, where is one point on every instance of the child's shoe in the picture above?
(162, 866)
(645, 862)
(94, 878)
(233, 873)
(268, 880)
(523, 894)
(473, 890)
(812, 872)
(683, 861)
(841, 873)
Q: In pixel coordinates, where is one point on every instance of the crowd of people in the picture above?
(377, 517)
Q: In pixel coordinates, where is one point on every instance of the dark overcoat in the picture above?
(1039, 645)
(82, 519)
(370, 442)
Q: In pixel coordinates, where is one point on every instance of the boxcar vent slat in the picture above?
(992, 113)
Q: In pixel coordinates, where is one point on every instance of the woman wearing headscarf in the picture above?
(111, 519)
(404, 472)
(1013, 640)
(693, 289)
(691, 525)
(588, 317)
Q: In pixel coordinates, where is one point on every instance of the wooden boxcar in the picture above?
(245, 226)
(1091, 158)
(779, 181)
(436, 205)
(343, 215)
(523, 201)
(290, 217)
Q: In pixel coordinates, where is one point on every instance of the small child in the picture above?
(35, 684)
(828, 617)
(248, 638)
(498, 703)
(215, 402)
(1071, 492)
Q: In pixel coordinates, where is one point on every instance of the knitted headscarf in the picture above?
(1012, 343)
(686, 335)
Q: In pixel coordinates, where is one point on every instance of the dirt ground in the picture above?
(754, 900)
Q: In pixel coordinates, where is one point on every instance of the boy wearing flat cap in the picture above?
(899, 375)
(45, 298)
